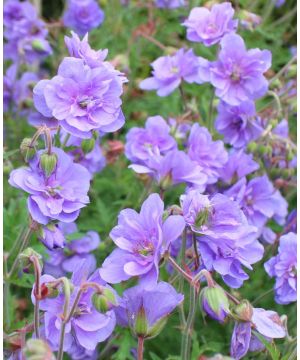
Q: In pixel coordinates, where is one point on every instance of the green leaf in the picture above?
(154, 356)
(273, 351)
(125, 343)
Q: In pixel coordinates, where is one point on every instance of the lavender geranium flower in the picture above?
(51, 236)
(266, 322)
(81, 98)
(169, 71)
(239, 164)
(24, 32)
(238, 124)
(227, 241)
(57, 197)
(81, 49)
(210, 155)
(153, 140)
(259, 200)
(209, 26)
(83, 15)
(9, 80)
(145, 305)
(88, 327)
(62, 261)
(283, 267)
(142, 238)
(173, 168)
(237, 75)
(170, 4)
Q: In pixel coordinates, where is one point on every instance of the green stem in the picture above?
(210, 112)
(277, 100)
(37, 294)
(197, 261)
(285, 17)
(6, 295)
(67, 137)
(187, 334)
(24, 243)
(179, 269)
(282, 70)
(185, 107)
(60, 353)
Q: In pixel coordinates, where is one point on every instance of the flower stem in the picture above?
(187, 333)
(60, 353)
(140, 348)
(210, 112)
(37, 294)
(282, 71)
(179, 269)
(197, 261)
(183, 97)
(24, 243)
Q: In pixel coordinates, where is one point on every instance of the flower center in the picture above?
(236, 74)
(174, 70)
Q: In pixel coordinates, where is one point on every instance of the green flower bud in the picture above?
(273, 122)
(38, 45)
(292, 72)
(141, 325)
(276, 84)
(214, 301)
(252, 147)
(290, 155)
(87, 145)
(262, 149)
(37, 349)
(26, 149)
(170, 50)
(243, 311)
(105, 301)
(48, 163)
(156, 328)
(24, 258)
(269, 150)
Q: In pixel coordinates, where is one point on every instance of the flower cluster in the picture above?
(82, 97)
(24, 32)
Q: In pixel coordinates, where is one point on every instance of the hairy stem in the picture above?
(179, 269)
(197, 258)
(37, 293)
(24, 243)
(140, 348)
(60, 353)
(187, 334)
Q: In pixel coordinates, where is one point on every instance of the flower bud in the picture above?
(156, 328)
(292, 71)
(25, 261)
(252, 147)
(37, 349)
(214, 302)
(27, 150)
(48, 290)
(87, 145)
(105, 301)
(170, 50)
(262, 149)
(48, 163)
(243, 311)
(290, 155)
(38, 45)
(141, 326)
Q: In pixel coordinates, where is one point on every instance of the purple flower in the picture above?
(81, 49)
(237, 75)
(169, 71)
(283, 268)
(78, 352)
(57, 197)
(279, 3)
(179, 129)
(173, 168)
(9, 80)
(81, 98)
(51, 236)
(210, 155)
(209, 26)
(145, 305)
(259, 200)
(142, 238)
(60, 262)
(83, 15)
(239, 164)
(24, 32)
(266, 322)
(227, 241)
(153, 140)
(87, 327)
(238, 124)
(291, 222)
(36, 119)
(170, 4)
(215, 303)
